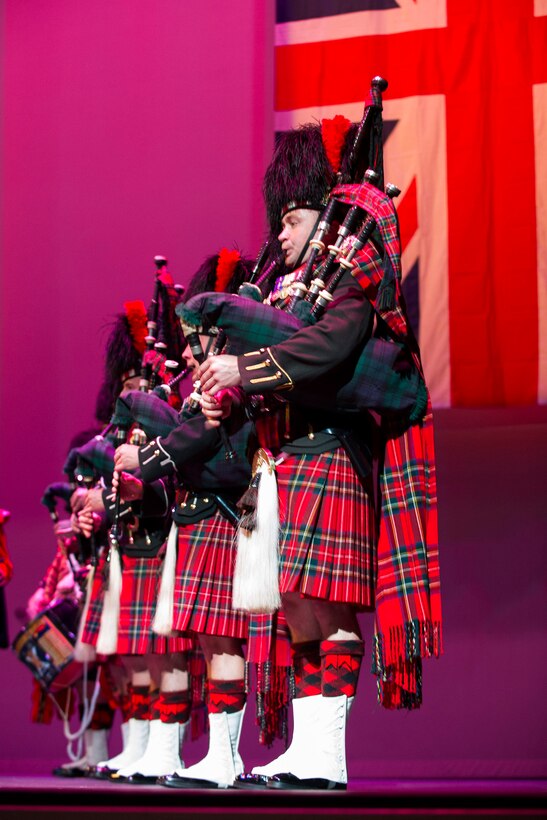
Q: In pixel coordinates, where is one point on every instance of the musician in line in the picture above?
(205, 515)
(157, 667)
(338, 544)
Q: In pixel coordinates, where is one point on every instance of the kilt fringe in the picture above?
(408, 605)
(397, 663)
(274, 692)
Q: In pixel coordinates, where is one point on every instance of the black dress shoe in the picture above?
(70, 771)
(116, 777)
(251, 781)
(100, 772)
(175, 781)
(286, 780)
(139, 779)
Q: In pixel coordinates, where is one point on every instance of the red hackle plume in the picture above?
(137, 318)
(334, 132)
(226, 265)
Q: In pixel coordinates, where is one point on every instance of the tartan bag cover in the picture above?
(408, 603)
(97, 455)
(383, 376)
(148, 410)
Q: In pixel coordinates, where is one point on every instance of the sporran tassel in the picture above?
(107, 640)
(163, 619)
(248, 504)
(256, 574)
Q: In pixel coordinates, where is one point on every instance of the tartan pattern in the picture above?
(382, 209)
(125, 707)
(98, 455)
(90, 629)
(327, 529)
(269, 641)
(57, 571)
(151, 413)
(383, 377)
(102, 717)
(307, 669)
(203, 585)
(269, 653)
(140, 579)
(175, 707)
(226, 696)
(247, 324)
(155, 705)
(6, 565)
(140, 703)
(137, 605)
(408, 602)
(340, 667)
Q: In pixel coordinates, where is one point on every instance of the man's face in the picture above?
(188, 356)
(131, 383)
(296, 230)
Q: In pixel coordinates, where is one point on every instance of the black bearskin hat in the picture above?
(308, 161)
(223, 272)
(299, 174)
(125, 345)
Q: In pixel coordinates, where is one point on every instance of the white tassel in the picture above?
(163, 619)
(85, 652)
(256, 574)
(107, 641)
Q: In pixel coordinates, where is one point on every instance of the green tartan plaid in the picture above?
(148, 410)
(248, 324)
(95, 458)
(382, 376)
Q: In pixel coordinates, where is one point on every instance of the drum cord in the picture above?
(87, 714)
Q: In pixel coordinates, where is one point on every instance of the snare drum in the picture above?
(46, 646)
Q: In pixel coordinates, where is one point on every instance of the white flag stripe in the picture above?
(410, 16)
(540, 141)
(417, 148)
(540, 8)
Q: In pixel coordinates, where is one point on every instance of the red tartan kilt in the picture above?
(327, 529)
(203, 586)
(140, 579)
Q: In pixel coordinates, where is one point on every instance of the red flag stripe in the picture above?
(492, 231)
(407, 210)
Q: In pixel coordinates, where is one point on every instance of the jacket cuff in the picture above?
(109, 501)
(261, 373)
(155, 461)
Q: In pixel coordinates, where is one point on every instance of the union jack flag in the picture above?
(466, 141)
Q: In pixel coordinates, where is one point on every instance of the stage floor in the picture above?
(25, 797)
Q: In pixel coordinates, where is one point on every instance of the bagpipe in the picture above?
(163, 334)
(163, 338)
(384, 375)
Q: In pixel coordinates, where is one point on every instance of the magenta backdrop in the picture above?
(133, 128)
